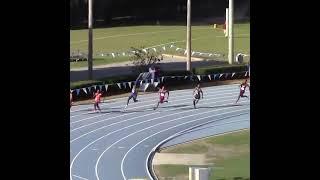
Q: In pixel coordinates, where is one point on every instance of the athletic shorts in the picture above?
(241, 92)
(197, 96)
(161, 99)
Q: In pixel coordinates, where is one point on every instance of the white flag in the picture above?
(233, 74)
(210, 54)
(162, 78)
(154, 49)
(199, 77)
(209, 77)
(144, 50)
(193, 53)
(146, 86)
(221, 75)
(141, 82)
(177, 49)
(123, 53)
(113, 55)
(106, 86)
(84, 89)
(185, 77)
(125, 85)
(246, 74)
(119, 85)
(77, 90)
(164, 48)
(185, 52)
(156, 84)
(129, 83)
(171, 46)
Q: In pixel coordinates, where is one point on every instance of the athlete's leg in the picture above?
(135, 98)
(130, 97)
(156, 106)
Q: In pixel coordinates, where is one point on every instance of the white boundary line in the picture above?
(97, 162)
(73, 160)
(122, 161)
(137, 117)
(147, 96)
(178, 133)
(155, 112)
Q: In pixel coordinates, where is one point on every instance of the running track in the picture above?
(115, 144)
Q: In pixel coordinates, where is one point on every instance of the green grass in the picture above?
(228, 167)
(120, 39)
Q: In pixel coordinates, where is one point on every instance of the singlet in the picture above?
(98, 96)
(133, 91)
(162, 93)
(243, 87)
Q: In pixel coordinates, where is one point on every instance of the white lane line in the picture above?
(76, 156)
(172, 136)
(137, 117)
(133, 34)
(154, 112)
(80, 177)
(97, 162)
(147, 96)
(153, 96)
(153, 100)
(96, 167)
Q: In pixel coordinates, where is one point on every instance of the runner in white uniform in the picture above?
(196, 95)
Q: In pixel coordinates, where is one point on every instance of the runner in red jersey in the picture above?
(162, 93)
(243, 87)
(97, 100)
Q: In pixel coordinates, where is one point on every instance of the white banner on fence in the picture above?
(129, 83)
(162, 79)
(84, 89)
(233, 74)
(220, 75)
(106, 86)
(146, 86)
(199, 77)
(119, 85)
(209, 77)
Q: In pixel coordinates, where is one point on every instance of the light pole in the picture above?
(230, 31)
(90, 48)
(189, 35)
